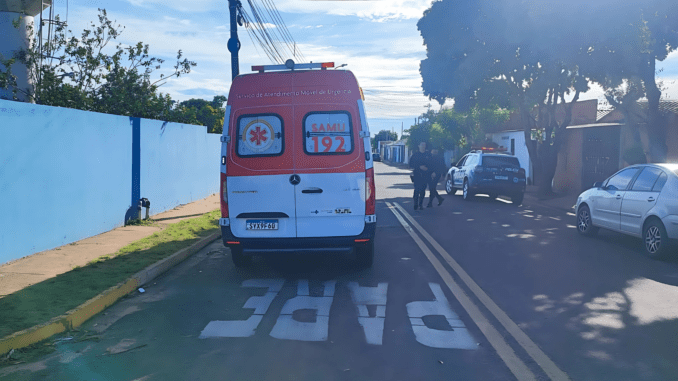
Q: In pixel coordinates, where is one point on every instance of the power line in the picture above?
(252, 33)
(254, 29)
(286, 31)
(269, 41)
(277, 29)
(264, 31)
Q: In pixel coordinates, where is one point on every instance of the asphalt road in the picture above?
(479, 290)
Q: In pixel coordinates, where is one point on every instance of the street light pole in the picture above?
(233, 42)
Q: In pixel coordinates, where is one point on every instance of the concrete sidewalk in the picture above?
(20, 273)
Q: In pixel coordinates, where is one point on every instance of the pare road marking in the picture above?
(287, 328)
(246, 328)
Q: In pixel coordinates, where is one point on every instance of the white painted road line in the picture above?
(517, 367)
(459, 337)
(532, 349)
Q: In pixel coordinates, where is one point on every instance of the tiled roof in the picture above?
(669, 105)
(601, 113)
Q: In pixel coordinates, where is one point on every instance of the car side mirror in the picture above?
(598, 184)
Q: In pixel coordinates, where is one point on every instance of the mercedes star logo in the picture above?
(295, 179)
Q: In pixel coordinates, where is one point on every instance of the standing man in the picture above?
(420, 163)
(438, 167)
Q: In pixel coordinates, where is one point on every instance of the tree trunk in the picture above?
(656, 127)
(548, 158)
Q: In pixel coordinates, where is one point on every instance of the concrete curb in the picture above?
(75, 317)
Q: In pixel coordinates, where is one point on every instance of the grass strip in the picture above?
(53, 297)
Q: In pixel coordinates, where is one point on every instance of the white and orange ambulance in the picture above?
(296, 165)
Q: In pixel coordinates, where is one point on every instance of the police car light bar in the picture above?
(292, 66)
(500, 149)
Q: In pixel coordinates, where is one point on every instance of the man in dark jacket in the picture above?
(437, 169)
(420, 163)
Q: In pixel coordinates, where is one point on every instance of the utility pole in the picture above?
(233, 42)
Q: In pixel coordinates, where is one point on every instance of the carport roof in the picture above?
(595, 125)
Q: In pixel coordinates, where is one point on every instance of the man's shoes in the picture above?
(440, 201)
(416, 206)
(429, 205)
(421, 206)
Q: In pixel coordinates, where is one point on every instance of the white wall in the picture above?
(504, 139)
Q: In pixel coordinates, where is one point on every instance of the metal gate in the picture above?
(600, 154)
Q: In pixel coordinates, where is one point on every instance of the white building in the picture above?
(396, 152)
(514, 142)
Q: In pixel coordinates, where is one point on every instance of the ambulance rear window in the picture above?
(328, 133)
(260, 135)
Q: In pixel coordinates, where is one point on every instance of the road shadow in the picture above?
(596, 305)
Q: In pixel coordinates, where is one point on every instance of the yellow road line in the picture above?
(517, 367)
(532, 349)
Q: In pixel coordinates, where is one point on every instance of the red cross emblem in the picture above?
(258, 135)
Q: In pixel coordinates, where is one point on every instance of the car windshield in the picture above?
(500, 161)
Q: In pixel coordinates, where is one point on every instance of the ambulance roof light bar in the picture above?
(290, 65)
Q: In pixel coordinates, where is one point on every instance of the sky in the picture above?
(377, 40)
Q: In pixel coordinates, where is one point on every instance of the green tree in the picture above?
(646, 35)
(382, 136)
(203, 112)
(77, 72)
(449, 129)
(489, 54)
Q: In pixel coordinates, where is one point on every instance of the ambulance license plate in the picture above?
(262, 224)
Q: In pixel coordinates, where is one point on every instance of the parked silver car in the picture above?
(640, 200)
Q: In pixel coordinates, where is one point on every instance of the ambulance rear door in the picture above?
(260, 193)
(330, 162)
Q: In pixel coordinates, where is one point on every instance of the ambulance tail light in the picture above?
(370, 196)
(224, 197)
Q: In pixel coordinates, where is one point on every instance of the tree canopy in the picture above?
(537, 59)
(78, 72)
(203, 112)
(381, 136)
(448, 129)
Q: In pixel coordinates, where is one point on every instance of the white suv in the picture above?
(640, 200)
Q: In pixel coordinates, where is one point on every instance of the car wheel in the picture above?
(365, 255)
(584, 225)
(467, 194)
(449, 186)
(239, 259)
(517, 198)
(656, 241)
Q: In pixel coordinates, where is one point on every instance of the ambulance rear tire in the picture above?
(239, 259)
(365, 255)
